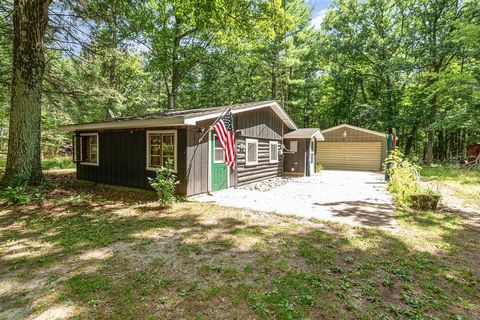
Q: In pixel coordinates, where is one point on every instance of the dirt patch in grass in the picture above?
(98, 252)
(460, 187)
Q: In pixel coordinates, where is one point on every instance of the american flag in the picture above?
(224, 131)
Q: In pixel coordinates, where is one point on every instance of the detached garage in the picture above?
(352, 148)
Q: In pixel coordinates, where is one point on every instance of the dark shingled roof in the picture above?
(178, 117)
(185, 113)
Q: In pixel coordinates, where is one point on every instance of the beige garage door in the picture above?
(349, 155)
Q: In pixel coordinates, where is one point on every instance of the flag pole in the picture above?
(228, 108)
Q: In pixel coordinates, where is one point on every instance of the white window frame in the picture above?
(247, 161)
(270, 151)
(175, 146)
(214, 148)
(81, 149)
(312, 152)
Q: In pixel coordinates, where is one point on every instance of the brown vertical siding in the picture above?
(259, 124)
(197, 158)
(295, 161)
(123, 158)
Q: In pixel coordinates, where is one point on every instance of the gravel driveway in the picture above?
(353, 197)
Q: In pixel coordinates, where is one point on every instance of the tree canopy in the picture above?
(408, 65)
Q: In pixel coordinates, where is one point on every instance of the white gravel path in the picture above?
(353, 197)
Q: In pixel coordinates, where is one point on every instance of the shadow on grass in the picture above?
(95, 257)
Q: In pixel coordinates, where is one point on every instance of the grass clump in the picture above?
(58, 163)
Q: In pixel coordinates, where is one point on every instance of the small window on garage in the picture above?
(89, 148)
(273, 151)
(252, 152)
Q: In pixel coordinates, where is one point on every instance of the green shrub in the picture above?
(403, 177)
(15, 195)
(18, 192)
(318, 167)
(164, 184)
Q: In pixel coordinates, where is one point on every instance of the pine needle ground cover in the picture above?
(97, 252)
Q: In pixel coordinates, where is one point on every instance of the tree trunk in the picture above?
(172, 95)
(429, 148)
(410, 140)
(112, 67)
(23, 160)
(441, 154)
(273, 85)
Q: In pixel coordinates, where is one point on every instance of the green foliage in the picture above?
(18, 195)
(408, 65)
(58, 163)
(403, 177)
(318, 167)
(15, 195)
(164, 184)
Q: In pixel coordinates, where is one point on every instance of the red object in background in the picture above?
(473, 151)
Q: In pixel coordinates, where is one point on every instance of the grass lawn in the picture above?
(47, 163)
(91, 252)
(457, 182)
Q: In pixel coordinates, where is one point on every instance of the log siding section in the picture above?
(261, 171)
(265, 126)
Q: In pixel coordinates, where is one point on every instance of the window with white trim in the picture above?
(89, 148)
(251, 154)
(161, 150)
(218, 152)
(273, 151)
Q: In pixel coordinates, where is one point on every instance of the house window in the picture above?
(273, 151)
(252, 152)
(89, 148)
(161, 151)
(218, 154)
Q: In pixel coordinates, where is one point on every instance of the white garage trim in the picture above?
(380, 134)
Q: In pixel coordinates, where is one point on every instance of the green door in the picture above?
(219, 168)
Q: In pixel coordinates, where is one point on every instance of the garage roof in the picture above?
(180, 117)
(355, 128)
(305, 133)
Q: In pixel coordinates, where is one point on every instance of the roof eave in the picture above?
(125, 124)
(317, 135)
(380, 134)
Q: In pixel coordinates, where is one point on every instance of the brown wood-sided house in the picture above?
(126, 151)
